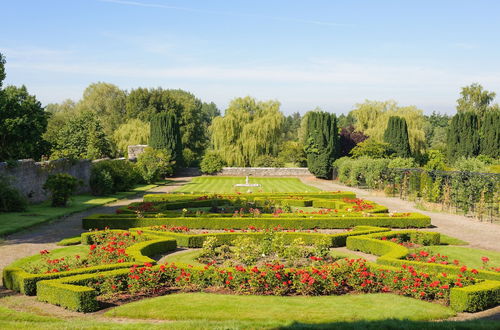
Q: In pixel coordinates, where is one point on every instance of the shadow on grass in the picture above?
(397, 324)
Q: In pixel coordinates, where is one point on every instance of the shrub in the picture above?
(471, 164)
(154, 164)
(61, 187)
(110, 176)
(267, 161)
(371, 148)
(11, 199)
(212, 162)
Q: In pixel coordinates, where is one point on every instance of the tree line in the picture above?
(249, 133)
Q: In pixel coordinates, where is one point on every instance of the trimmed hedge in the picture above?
(476, 297)
(70, 241)
(414, 220)
(392, 254)
(72, 293)
(196, 240)
(15, 278)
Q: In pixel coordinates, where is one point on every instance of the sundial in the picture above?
(247, 184)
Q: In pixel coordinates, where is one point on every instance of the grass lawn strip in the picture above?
(191, 306)
(35, 214)
(226, 185)
(467, 256)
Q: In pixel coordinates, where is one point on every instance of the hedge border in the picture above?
(414, 220)
(196, 240)
(17, 279)
(476, 297)
(391, 254)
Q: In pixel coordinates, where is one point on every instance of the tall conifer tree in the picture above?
(322, 143)
(396, 134)
(490, 134)
(165, 134)
(463, 136)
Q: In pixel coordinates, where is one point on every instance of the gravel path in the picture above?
(482, 235)
(46, 236)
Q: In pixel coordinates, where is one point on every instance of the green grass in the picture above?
(226, 185)
(448, 240)
(467, 256)
(34, 318)
(218, 307)
(186, 257)
(13, 222)
(54, 254)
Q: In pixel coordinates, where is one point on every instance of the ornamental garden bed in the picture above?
(251, 245)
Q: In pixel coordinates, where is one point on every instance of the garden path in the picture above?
(46, 236)
(482, 235)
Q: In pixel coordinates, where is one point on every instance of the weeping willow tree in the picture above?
(372, 118)
(249, 129)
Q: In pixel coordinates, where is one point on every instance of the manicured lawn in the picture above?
(13, 319)
(448, 240)
(226, 185)
(467, 256)
(218, 307)
(39, 213)
(185, 257)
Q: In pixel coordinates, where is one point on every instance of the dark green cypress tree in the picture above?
(463, 136)
(165, 134)
(490, 134)
(396, 135)
(322, 143)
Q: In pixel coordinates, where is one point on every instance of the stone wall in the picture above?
(264, 171)
(29, 176)
(134, 151)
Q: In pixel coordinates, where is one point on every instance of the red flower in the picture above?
(485, 259)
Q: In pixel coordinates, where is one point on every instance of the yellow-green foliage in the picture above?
(476, 297)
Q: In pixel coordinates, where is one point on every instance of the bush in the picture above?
(110, 176)
(471, 164)
(268, 161)
(211, 163)
(61, 187)
(11, 199)
(154, 164)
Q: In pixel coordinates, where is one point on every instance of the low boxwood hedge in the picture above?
(72, 292)
(392, 254)
(15, 278)
(476, 297)
(413, 220)
(196, 240)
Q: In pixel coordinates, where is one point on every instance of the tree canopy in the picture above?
(396, 135)
(248, 129)
(474, 98)
(372, 118)
(22, 124)
(81, 137)
(322, 142)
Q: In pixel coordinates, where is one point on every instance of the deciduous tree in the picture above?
(248, 129)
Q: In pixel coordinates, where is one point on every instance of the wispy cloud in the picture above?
(226, 13)
(464, 45)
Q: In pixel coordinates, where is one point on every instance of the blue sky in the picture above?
(331, 54)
